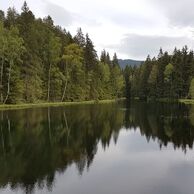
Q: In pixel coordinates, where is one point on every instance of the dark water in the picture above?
(136, 148)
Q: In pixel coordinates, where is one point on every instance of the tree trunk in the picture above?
(49, 81)
(8, 82)
(66, 81)
(2, 66)
(63, 96)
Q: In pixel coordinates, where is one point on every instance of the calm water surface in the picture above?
(135, 148)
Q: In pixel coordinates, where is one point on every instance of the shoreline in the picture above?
(186, 101)
(166, 100)
(53, 104)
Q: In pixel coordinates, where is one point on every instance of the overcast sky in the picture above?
(132, 28)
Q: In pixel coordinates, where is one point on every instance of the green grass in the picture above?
(187, 101)
(47, 104)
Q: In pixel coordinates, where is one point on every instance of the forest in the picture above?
(41, 62)
(167, 76)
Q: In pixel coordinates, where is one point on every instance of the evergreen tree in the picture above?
(54, 48)
(90, 56)
(144, 75)
(115, 61)
(163, 60)
(79, 38)
(152, 80)
(2, 16)
(191, 89)
(127, 76)
(103, 56)
(168, 80)
(11, 18)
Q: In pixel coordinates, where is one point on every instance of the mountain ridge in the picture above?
(131, 62)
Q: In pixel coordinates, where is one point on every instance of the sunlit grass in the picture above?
(47, 104)
(187, 101)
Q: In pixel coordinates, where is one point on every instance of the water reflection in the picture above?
(35, 144)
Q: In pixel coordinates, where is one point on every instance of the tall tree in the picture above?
(191, 89)
(11, 18)
(79, 38)
(90, 55)
(73, 57)
(115, 61)
(127, 76)
(152, 80)
(54, 49)
(13, 55)
(2, 16)
(168, 80)
(3, 53)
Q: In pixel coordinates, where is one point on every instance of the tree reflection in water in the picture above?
(37, 143)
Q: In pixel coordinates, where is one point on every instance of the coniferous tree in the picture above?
(127, 76)
(115, 61)
(90, 56)
(79, 38)
(2, 16)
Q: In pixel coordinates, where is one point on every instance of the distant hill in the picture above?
(124, 62)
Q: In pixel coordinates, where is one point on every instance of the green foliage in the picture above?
(43, 62)
(191, 89)
(168, 76)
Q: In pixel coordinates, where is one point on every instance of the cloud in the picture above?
(132, 20)
(64, 18)
(138, 46)
(60, 15)
(171, 22)
(179, 13)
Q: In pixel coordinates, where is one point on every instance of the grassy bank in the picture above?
(167, 100)
(47, 104)
(187, 101)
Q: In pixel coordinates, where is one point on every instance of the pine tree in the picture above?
(90, 56)
(11, 18)
(191, 89)
(2, 16)
(127, 76)
(115, 61)
(79, 38)
(168, 80)
(152, 80)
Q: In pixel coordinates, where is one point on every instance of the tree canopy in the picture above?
(43, 62)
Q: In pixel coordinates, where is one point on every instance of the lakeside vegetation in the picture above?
(187, 101)
(51, 104)
(43, 62)
(169, 77)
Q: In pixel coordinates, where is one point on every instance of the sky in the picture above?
(131, 28)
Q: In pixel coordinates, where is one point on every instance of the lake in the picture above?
(121, 148)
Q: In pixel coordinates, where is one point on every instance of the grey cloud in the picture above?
(60, 15)
(63, 17)
(139, 46)
(178, 12)
(132, 20)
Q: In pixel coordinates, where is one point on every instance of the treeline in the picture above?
(167, 76)
(43, 62)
